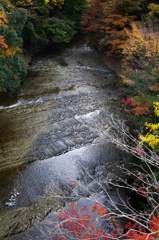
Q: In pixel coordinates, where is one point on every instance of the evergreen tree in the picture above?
(74, 10)
(12, 71)
(12, 67)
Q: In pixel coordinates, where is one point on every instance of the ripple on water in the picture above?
(61, 97)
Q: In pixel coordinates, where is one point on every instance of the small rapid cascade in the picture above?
(47, 136)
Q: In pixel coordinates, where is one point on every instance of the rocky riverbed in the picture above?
(52, 150)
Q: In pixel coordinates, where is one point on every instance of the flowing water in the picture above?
(47, 137)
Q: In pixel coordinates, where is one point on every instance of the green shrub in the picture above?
(59, 30)
(29, 35)
(17, 19)
(12, 70)
(74, 10)
(11, 36)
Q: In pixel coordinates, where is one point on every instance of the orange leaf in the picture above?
(102, 211)
(2, 42)
(73, 204)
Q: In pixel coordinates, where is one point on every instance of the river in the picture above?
(49, 141)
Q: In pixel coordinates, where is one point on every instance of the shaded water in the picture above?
(65, 91)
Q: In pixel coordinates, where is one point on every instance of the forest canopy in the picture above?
(29, 25)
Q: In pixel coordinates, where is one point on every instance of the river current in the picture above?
(49, 140)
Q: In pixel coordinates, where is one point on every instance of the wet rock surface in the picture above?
(49, 140)
(76, 176)
(17, 221)
(92, 185)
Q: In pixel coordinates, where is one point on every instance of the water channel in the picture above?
(49, 142)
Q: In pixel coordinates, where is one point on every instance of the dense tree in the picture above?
(118, 16)
(142, 46)
(12, 67)
(153, 12)
(74, 9)
(56, 21)
(93, 22)
(12, 71)
(141, 51)
(58, 30)
(119, 26)
(32, 24)
(109, 19)
(17, 19)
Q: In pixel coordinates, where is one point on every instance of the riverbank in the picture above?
(44, 125)
(113, 63)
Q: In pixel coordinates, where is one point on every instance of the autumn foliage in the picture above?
(152, 136)
(142, 45)
(138, 107)
(82, 225)
(119, 28)
(109, 20)
(3, 44)
(12, 67)
(137, 232)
